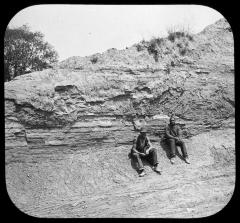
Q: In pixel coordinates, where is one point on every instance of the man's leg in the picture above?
(184, 151)
(172, 145)
(139, 161)
(183, 148)
(153, 156)
(154, 159)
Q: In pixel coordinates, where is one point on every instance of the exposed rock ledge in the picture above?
(68, 131)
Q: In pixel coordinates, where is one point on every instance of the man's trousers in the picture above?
(173, 143)
(151, 157)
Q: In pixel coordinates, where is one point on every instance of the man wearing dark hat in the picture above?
(172, 135)
(142, 148)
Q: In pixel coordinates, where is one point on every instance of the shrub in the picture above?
(183, 51)
(154, 47)
(153, 50)
(181, 36)
(179, 45)
(175, 35)
(189, 36)
(179, 32)
(157, 41)
(94, 60)
(139, 47)
(183, 47)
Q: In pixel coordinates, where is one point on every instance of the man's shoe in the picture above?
(142, 174)
(157, 169)
(187, 160)
(172, 160)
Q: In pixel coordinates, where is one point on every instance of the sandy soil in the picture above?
(106, 184)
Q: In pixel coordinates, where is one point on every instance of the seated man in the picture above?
(142, 148)
(172, 135)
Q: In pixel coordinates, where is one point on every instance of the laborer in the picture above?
(172, 135)
(142, 149)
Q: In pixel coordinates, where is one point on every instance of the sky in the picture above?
(82, 30)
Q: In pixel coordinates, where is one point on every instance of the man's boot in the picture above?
(142, 173)
(187, 160)
(156, 168)
(172, 160)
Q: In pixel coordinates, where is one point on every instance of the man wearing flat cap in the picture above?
(142, 149)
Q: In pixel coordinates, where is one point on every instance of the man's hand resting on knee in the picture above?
(148, 150)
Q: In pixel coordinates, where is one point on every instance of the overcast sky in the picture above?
(82, 30)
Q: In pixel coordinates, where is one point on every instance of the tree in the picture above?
(26, 51)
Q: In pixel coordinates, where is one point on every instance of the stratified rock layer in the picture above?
(68, 130)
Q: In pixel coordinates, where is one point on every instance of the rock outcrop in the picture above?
(68, 130)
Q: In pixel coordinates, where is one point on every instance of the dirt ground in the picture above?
(105, 183)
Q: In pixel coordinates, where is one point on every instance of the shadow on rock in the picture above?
(166, 148)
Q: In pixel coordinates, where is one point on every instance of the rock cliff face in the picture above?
(68, 130)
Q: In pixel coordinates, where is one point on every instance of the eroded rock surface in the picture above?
(69, 129)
